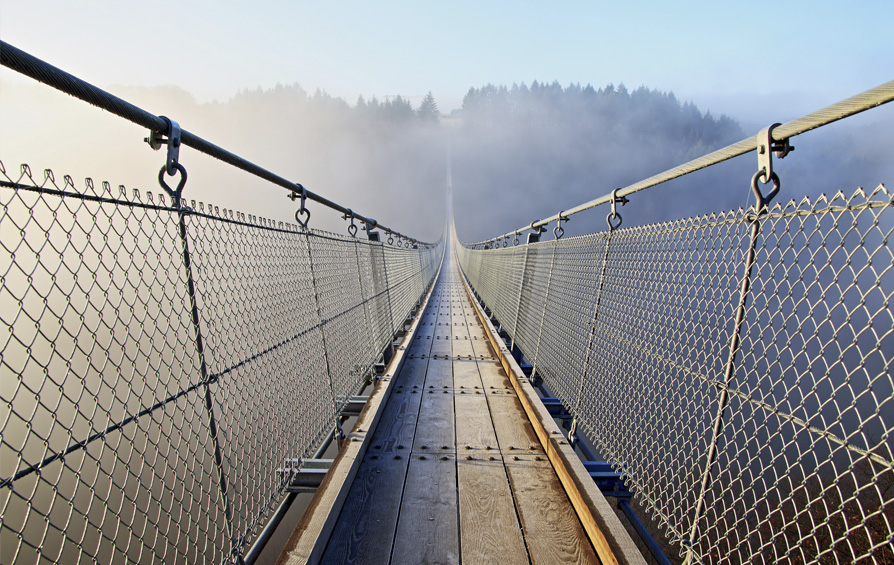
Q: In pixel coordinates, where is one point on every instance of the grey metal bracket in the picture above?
(156, 140)
(354, 405)
(766, 146)
(307, 474)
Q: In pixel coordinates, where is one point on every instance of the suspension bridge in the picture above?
(176, 376)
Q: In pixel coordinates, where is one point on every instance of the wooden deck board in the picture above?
(493, 375)
(474, 428)
(551, 528)
(435, 431)
(428, 529)
(463, 348)
(513, 430)
(465, 374)
(365, 529)
(489, 528)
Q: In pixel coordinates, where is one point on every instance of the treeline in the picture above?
(294, 98)
(578, 111)
(545, 148)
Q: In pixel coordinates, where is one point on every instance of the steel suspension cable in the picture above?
(869, 99)
(41, 71)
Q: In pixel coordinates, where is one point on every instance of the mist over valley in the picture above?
(516, 153)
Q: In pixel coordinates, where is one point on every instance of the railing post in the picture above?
(729, 370)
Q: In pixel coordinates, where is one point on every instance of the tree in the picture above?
(428, 109)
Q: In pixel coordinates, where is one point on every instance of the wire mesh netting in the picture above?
(749, 400)
(159, 364)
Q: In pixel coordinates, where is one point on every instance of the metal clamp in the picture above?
(766, 146)
(156, 140)
(515, 241)
(614, 219)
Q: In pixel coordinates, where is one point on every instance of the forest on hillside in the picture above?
(516, 153)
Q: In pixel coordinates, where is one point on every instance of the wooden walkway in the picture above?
(445, 466)
(454, 472)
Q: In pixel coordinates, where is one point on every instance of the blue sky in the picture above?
(755, 61)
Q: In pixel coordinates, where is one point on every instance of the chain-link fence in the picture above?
(158, 364)
(737, 367)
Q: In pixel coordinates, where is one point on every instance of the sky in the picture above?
(737, 58)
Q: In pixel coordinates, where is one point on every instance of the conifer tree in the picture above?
(428, 109)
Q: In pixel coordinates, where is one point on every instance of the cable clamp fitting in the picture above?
(559, 231)
(766, 147)
(614, 218)
(156, 140)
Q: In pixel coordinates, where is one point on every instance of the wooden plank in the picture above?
(483, 347)
(608, 536)
(428, 527)
(514, 431)
(552, 531)
(439, 374)
(465, 374)
(366, 525)
(435, 429)
(413, 372)
(493, 375)
(441, 346)
(397, 426)
(489, 528)
(463, 348)
(474, 429)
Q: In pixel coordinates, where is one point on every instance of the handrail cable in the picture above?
(871, 98)
(41, 71)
